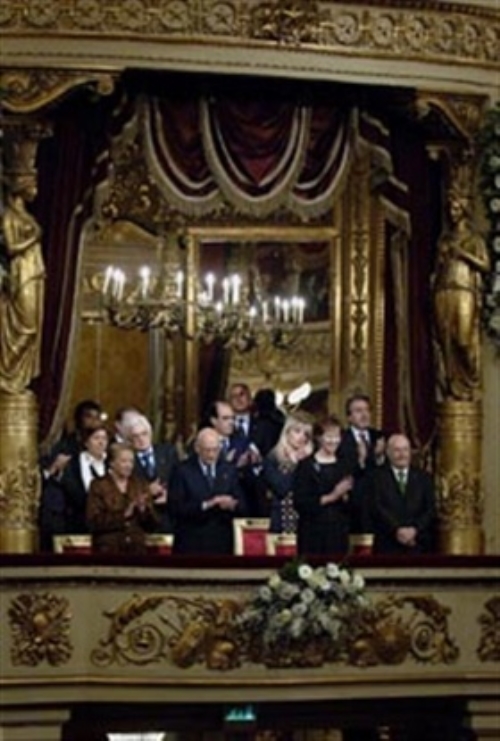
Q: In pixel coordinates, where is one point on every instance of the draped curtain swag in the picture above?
(257, 156)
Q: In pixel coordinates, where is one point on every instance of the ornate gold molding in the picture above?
(40, 626)
(426, 31)
(196, 630)
(28, 90)
(463, 113)
(489, 643)
(20, 486)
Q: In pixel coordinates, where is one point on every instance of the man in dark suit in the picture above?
(154, 463)
(362, 448)
(205, 498)
(402, 503)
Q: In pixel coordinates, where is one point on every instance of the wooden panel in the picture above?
(110, 365)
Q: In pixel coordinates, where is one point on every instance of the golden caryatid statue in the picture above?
(462, 259)
(21, 316)
(21, 300)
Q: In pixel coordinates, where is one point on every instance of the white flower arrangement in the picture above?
(301, 606)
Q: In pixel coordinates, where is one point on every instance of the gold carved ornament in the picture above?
(460, 497)
(40, 628)
(28, 90)
(489, 643)
(449, 34)
(209, 632)
(20, 488)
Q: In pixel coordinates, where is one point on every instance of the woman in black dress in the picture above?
(321, 491)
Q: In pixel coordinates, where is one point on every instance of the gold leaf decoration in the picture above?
(489, 644)
(193, 631)
(40, 626)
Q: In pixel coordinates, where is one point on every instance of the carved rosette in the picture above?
(489, 643)
(197, 631)
(40, 629)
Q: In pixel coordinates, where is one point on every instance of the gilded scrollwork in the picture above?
(20, 486)
(188, 632)
(193, 631)
(461, 500)
(40, 629)
(400, 627)
(428, 31)
(489, 643)
(27, 90)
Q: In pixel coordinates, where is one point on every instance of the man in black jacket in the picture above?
(402, 503)
(362, 448)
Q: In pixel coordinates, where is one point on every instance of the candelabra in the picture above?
(226, 311)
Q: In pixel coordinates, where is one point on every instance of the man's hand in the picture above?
(407, 536)
(158, 491)
(59, 464)
(225, 502)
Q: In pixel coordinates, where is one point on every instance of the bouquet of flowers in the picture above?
(301, 616)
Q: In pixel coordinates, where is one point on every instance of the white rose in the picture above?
(274, 581)
(332, 571)
(495, 205)
(494, 161)
(358, 582)
(345, 577)
(305, 571)
(496, 244)
(497, 181)
(265, 594)
(307, 596)
(299, 610)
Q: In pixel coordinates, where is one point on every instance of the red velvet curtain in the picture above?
(415, 169)
(66, 171)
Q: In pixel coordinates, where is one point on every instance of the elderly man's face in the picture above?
(399, 451)
(208, 448)
(140, 437)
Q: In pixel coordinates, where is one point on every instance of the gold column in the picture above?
(19, 473)
(458, 472)
(462, 259)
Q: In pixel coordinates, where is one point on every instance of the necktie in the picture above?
(210, 476)
(148, 464)
(401, 478)
(241, 427)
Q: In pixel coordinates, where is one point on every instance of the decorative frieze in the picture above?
(422, 30)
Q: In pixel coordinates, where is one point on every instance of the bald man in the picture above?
(402, 503)
(205, 497)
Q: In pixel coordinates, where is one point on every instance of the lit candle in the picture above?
(179, 282)
(236, 283)
(277, 307)
(219, 307)
(107, 279)
(286, 310)
(225, 290)
(120, 284)
(302, 306)
(210, 281)
(252, 314)
(145, 275)
(265, 312)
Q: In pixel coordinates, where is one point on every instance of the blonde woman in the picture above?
(294, 444)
